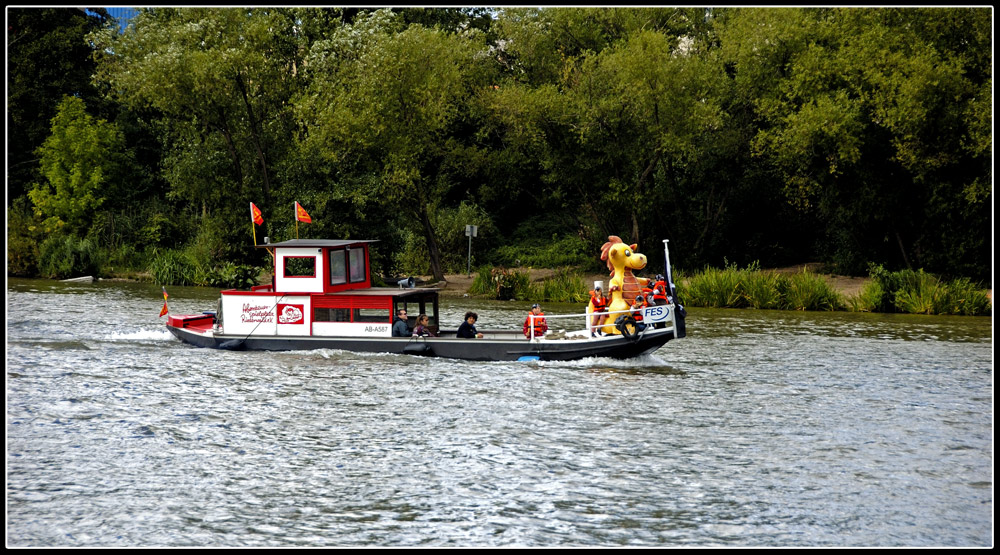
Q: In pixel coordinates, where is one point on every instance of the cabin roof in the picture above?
(318, 243)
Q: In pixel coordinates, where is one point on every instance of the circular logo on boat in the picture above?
(290, 314)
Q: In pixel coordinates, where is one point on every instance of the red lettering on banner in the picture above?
(256, 313)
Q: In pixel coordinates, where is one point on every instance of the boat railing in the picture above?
(589, 327)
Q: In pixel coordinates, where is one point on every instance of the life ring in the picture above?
(627, 326)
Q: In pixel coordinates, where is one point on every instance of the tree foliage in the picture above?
(854, 135)
(83, 162)
(395, 100)
(873, 123)
(47, 58)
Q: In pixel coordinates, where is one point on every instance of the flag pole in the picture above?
(295, 212)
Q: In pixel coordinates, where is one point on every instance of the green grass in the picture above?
(751, 287)
(917, 292)
(502, 284)
(565, 286)
(907, 291)
(177, 267)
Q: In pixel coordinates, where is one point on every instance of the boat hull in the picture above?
(498, 347)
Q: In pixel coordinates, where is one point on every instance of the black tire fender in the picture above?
(628, 329)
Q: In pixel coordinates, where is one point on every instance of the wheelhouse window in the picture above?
(300, 266)
(357, 264)
(347, 266)
(338, 267)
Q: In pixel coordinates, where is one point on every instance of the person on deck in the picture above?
(468, 328)
(660, 290)
(637, 308)
(598, 310)
(423, 327)
(399, 327)
(540, 327)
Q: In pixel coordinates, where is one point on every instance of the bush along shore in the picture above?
(904, 291)
(565, 285)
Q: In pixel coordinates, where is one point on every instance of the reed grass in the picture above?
(177, 267)
(503, 284)
(962, 297)
(909, 291)
(565, 286)
(173, 267)
(751, 287)
(917, 292)
(715, 288)
(868, 299)
(764, 290)
(484, 283)
(808, 291)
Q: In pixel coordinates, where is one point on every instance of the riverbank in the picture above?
(459, 284)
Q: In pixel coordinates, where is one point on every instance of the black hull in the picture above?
(509, 348)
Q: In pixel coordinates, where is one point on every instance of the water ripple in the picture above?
(759, 429)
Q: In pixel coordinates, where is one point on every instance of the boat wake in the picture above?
(141, 335)
(646, 364)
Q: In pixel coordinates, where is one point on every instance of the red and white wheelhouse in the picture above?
(321, 288)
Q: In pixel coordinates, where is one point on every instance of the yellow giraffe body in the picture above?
(622, 259)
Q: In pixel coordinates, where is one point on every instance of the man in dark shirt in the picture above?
(468, 328)
(399, 328)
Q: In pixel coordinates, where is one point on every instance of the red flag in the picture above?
(164, 309)
(255, 214)
(301, 215)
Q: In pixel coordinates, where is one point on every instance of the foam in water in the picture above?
(141, 335)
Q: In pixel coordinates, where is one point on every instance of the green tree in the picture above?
(616, 107)
(221, 80)
(874, 120)
(387, 105)
(82, 162)
(47, 58)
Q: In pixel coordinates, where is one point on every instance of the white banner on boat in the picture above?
(656, 314)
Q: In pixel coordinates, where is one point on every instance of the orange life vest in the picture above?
(638, 313)
(540, 325)
(660, 292)
(599, 302)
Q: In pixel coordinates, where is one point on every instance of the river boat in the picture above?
(321, 297)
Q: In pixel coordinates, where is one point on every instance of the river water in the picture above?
(761, 428)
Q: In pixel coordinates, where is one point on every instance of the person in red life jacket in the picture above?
(637, 308)
(660, 290)
(540, 327)
(648, 289)
(659, 297)
(598, 309)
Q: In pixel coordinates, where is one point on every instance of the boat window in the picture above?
(331, 315)
(371, 315)
(430, 309)
(357, 264)
(338, 267)
(300, 266)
